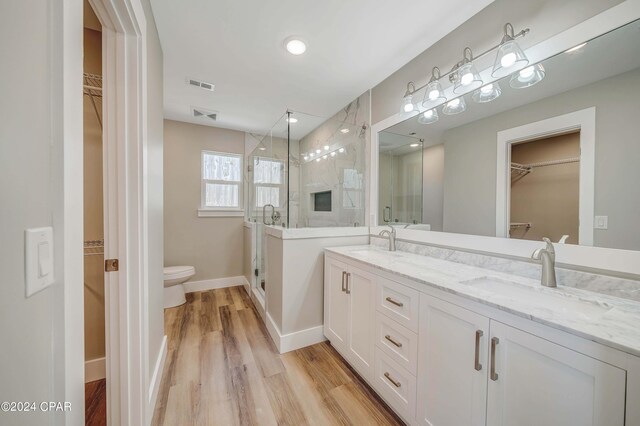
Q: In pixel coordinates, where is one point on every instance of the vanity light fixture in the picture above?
(455, 106)
(528, 77)
(428, 117)
(433, 94)
(575, 48)
(341, 150)
(510, 56)
(466, 77)
(344, 130)
(407, 102)
(487, 93)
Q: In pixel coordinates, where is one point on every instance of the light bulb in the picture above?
(407, 105)
(312, 155)
(326, 147)
(527, 73)
(341, 150)
(318, 151)
(454, 103)
(428, 114)
(487, 89)
(317, 160)
(466, 79)
(508, 60)
(306, 158)
(433, 95)
(324, 157)
(333, 154)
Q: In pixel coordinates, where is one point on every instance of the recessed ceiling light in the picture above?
(295, 46)
(575, 48)
(292, 120)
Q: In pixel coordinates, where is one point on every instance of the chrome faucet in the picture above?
(548, 257)
(392, 237)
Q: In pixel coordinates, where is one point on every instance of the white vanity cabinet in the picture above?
(440, 359)
(349, 306)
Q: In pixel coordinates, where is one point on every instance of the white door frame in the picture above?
(124, 148)
(583, 121)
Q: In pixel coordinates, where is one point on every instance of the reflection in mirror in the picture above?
(551, 150)
(400, 189)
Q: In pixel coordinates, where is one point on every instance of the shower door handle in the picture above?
(386, 218)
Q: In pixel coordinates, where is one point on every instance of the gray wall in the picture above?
(432, 186)
(545, 18)
(470, 166)
(213, 245)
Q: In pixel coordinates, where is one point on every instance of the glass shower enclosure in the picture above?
(307, 171)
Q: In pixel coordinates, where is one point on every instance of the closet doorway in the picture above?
(545, 189)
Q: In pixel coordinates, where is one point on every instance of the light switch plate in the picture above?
(38, 244)
(601, 222)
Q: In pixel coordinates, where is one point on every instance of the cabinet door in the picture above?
(537, 382)
(361, 287)
(452, 365)
(336, 304)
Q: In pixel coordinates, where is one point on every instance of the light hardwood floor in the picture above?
(223, 369)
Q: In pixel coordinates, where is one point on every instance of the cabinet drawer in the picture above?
(398, 342)
(398, 302)
(396, 385)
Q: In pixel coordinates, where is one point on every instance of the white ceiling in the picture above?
(238, 46)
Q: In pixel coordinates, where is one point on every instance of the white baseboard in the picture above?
(204, 285)
(292, 341)
(95, 369)
(156, 378)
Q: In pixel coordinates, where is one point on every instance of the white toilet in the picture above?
(174, 278)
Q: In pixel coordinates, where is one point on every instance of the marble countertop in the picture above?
(608, 320)
(324, 232)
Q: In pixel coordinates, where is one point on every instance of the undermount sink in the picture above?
(546, 298)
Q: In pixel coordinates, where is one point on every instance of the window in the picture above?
(221, 181)
(352, 193)
(268, 177)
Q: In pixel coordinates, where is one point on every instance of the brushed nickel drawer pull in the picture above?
(389, 338)
(395, 302)
(344, 274)
(494, 342)
(348, 282)
(477, 364)
(395, 382)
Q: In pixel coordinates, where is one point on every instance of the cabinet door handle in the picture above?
(395, 382)
(389, 338)
(494, 343)
(344, 274)
(348, 282)
(395, 302)
(477, 364)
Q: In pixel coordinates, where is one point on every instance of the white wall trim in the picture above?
(212, 284)
(220, 213)
(292, 341)
(95, 369)
(583, 121)
(156, 377)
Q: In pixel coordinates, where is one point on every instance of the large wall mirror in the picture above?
(551, 151)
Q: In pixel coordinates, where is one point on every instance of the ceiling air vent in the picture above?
(203, 113)
(201, 84)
